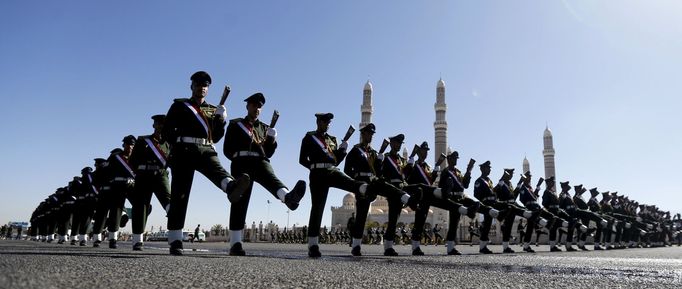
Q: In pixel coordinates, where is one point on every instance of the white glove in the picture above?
(272, 132)
(380, 157)
(221, 111)
(344, 145)
(410, 161)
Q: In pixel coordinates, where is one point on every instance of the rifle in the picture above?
(384, 145)
(275, 117)
(349, 133)
(226, 92)
(470, 166)
(414, 151)
(441, 159)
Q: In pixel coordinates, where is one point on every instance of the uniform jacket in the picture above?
(181, 121)
(317, 148)
(241, 135)
(362, 159)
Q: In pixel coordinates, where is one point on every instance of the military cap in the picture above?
(527, 174)
(614, 194)
(201, 77)
(522, 178)
(100, 160)
(369, 127)
(159, 117)
(606, 195)
(115, 151)
(324, 116)
(257, 98)
(129, 140)
(453, 155)
(564, 183)
(86, 170)
(424, 146)
(399, 138)
(550, 179)
(579, 189)
(509, 171)
(485, 164)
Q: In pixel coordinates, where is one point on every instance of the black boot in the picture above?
(237, 250)
(295, 195)
(235, 189)
(176, 248)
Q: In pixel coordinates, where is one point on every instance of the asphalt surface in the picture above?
(27, 264)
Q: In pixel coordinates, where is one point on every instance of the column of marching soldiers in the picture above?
(183, 141)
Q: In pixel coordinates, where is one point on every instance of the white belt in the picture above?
(245, 154)
(121, 179)
(194, 140)
(363, 174)
(321, 166)
(149, 167)
(396, 181)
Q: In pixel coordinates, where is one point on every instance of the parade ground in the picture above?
(27, 264)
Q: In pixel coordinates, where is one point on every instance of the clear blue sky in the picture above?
(77, 76)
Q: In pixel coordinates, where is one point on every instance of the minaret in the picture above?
(526, 165)
(366, 107)
(548, 153)
(440, 125)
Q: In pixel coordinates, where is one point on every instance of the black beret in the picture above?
(129, 140)
(86, 170)
(550, 179)
(115, 151)
(369, 127)
(424, 146)
(159, 117)
(256, 98)
(509, 171)
(564, 183)
(99, 160)
(527, 174)
(485, 164)
(399, 138)
(201, 77)
(453, 155)
(326, 116)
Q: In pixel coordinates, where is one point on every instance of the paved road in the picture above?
(26, 264)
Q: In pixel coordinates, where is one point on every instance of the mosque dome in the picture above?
(349, 200)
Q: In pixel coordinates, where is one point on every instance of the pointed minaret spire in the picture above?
(366, 107)
(526, 165)
(548, 153)
(440, 125)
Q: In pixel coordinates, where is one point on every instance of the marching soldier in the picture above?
(551, 202)
(586, 216)
(149, 161)
(121, 179)
(607, 209)
(529, 199)
(452, 177)
(192, 126)
(506, 193)
(363, 163)
(100, 182)
(249, 144)
(75, 187)
(321, 153)
(84, 207)
(484, 192)
(65, 212)
(567, 204)
(422, 176)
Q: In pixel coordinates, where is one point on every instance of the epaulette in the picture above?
(180, 99)
(311, 132)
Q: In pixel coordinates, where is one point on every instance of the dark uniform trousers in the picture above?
(64, 219)
(533, 221)
(381, 188)
(82, 216)
(560, 214)
(512, 212)
(184, 160)
(101, 210)
(395, 206)
(320, 181)
(587, 216)
(260, 172)
(429, 200)
(453, 221)
(116, 201)
(148, 182)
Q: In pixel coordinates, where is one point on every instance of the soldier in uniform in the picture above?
(84, 208)
(66, 203)
(121, 179)
(192, 126)
(586, 216)
(451, 176)
(484, 192)
(100, 182)
(249, 144)
(321, 153)
(422, 176)
(551, 202)
(149, 161)
(363, 163)
(567, 204)
(529, 198)
(77, 216)
(607, 209)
